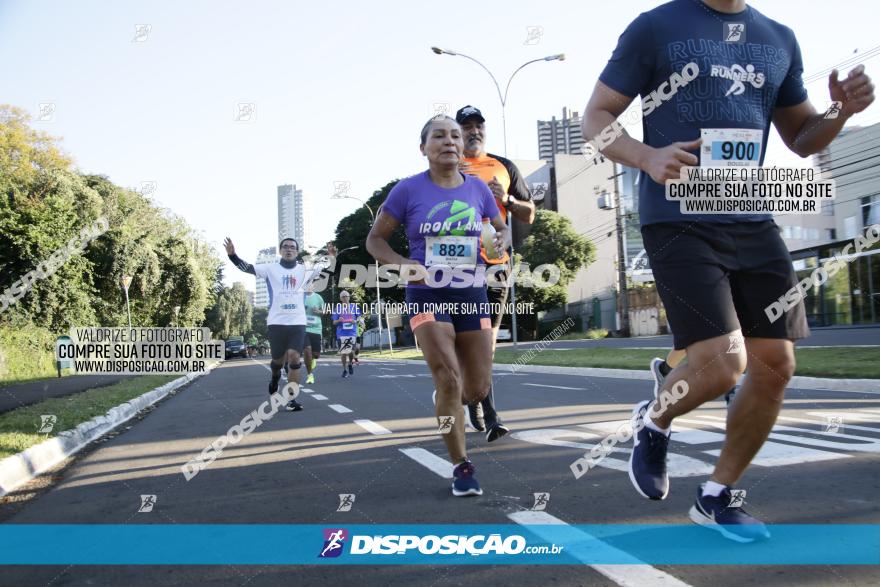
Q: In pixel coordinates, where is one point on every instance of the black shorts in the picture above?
(715, 278)
(498, 298)
(283, 337)
(424, 303)
(313, 339)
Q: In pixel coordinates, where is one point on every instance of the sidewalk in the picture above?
(31, 392)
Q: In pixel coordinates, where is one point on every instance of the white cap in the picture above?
(344, 293)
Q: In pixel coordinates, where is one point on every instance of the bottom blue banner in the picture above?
(73, 544)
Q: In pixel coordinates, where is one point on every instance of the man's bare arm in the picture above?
(806, 131)
(600, 124)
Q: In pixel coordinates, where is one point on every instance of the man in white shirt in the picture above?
(286, 281)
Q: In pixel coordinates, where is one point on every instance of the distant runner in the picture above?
(345, 317)
(314, 310)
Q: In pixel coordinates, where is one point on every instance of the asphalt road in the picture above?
(292, 469)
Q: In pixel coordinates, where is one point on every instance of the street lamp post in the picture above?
(503, 99)
(378, 295)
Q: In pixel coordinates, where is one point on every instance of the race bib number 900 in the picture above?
(730, 147)
(450, 250)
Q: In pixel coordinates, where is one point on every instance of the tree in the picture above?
(553, 242)
(44, 202)
(258, 323)
(232, 315)
(352, 231)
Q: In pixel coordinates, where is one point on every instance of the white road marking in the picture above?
(430, 461)
(372, 427)
(339, 408)
(822, 423)
(307, 390)
(832, 440)
(679, 433)
(679, 465)
(634, 574)
(556, 386)
(318, 396)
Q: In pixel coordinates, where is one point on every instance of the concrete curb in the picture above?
(850, 385)
(24, 466)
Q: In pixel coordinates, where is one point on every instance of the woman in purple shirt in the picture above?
(442, 210)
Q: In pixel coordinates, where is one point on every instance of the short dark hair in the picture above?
(427, 128)
(284, 240)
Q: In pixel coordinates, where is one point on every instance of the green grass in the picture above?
(18, 427)
(26, 353)
(839, 362)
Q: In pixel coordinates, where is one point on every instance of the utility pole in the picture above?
(623, 304)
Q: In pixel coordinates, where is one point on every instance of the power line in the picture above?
(872, 52)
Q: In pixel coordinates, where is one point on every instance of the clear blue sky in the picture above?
(341, 89)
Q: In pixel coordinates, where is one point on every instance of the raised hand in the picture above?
(856, 91)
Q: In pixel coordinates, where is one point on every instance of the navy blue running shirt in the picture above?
(748, 65)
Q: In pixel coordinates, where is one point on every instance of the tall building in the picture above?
(291, 214)
(560, 136)
(265, 256)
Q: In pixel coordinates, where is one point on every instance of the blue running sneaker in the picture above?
(647, 463)
(464, 483)
(717, 513)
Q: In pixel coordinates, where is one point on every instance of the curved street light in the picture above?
(503, 99)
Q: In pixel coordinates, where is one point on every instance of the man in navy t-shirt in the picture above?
(712, 76)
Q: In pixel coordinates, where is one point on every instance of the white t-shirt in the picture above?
(286, 288)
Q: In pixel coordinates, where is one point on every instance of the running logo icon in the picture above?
(833, 110)
(334, 542)
(445, 424)
(739, 75)
(833, 424)
(341, 189)
(737, 498)
(142, 33)
(46, 112)
(541, 500)
(736, 344)
(346, 500)
(245, 112)
(533, 35)
(147, 504)
(734, 32)
(47, 423)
